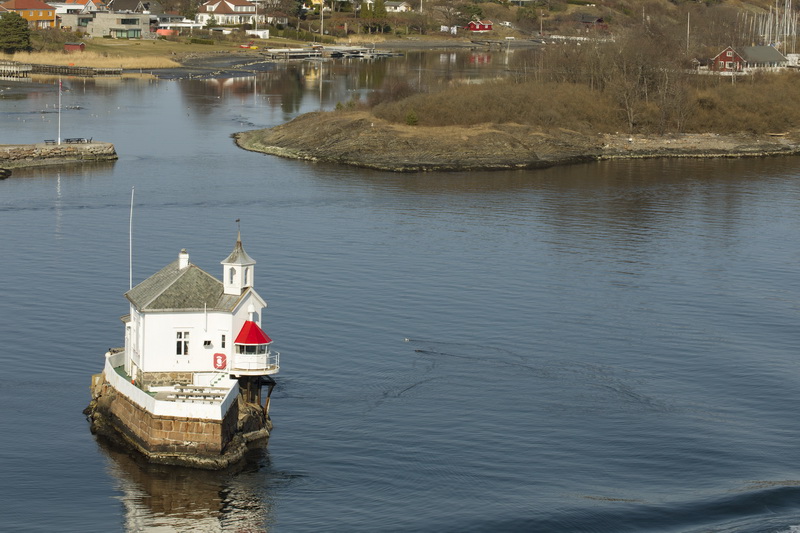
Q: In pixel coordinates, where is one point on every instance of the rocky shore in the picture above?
(358, 139)
(39, 154)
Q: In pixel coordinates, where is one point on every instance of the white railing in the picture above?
(214, 411)
(262, 363)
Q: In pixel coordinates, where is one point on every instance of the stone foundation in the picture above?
(27, 155)
(209, 444)
(163, 379)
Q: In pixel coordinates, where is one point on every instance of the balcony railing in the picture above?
(255, 364)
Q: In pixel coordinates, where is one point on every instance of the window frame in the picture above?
(182, 342)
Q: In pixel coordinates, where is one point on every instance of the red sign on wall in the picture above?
(220, 361)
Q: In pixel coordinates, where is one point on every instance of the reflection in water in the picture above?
(285, 85)
(85, 169)
(613, 212)
(290, 87)
(168, 498)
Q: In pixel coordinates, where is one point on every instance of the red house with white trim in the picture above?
(729, 60)
(479, 26)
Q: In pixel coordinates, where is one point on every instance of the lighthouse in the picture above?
(195, 351)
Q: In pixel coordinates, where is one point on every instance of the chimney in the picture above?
(183, 259)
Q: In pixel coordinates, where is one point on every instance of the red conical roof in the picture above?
(252, 334)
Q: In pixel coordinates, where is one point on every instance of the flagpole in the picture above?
(130, 245)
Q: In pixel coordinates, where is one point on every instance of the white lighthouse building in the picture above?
(186, 324)
(188, 381)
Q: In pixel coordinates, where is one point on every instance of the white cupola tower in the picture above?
(238, 269)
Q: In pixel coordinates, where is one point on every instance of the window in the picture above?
(251, 349)
(730, 64)
(129, 22)
(246, 272)
(222, 342)
(182, 346)
(730, 53)
(232, 274)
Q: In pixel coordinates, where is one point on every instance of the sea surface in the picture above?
(607, 347)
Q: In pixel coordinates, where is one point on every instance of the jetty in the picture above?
(49, 152)
(71, 70)
(327, 51)
(15, 69)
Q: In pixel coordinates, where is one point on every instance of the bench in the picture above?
(49, 141)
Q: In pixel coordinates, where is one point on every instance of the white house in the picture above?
(187, 326)
(227, 12)
(397, 7)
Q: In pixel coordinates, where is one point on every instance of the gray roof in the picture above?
(238, 255)
(762, 54)
(136, 6)
(189, 289)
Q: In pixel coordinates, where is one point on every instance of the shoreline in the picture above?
(360, 140)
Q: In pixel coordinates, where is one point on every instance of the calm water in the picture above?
(608, 347)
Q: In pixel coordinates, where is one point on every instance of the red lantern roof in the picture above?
(252, 334)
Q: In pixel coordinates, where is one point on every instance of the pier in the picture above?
(76, 71)
(14, 69)
(20, 70)
(331, 51)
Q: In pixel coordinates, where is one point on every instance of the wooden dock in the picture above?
(21, 70)
(14, 69)
(76, 71)
(292, 53)
(328, 51)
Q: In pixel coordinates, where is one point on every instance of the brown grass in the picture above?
(94, 59)
(762, 103)
(546, 105)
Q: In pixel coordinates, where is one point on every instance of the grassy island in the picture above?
(639, 95)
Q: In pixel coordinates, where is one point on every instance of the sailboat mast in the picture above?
(59, 110)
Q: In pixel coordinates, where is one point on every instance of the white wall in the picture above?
(215, 411)
(155, 334)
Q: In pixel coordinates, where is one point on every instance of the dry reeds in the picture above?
(93, 59)
(546, 105)
(758, 103)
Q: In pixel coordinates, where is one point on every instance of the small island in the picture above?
(361, 140)
(644, 93)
